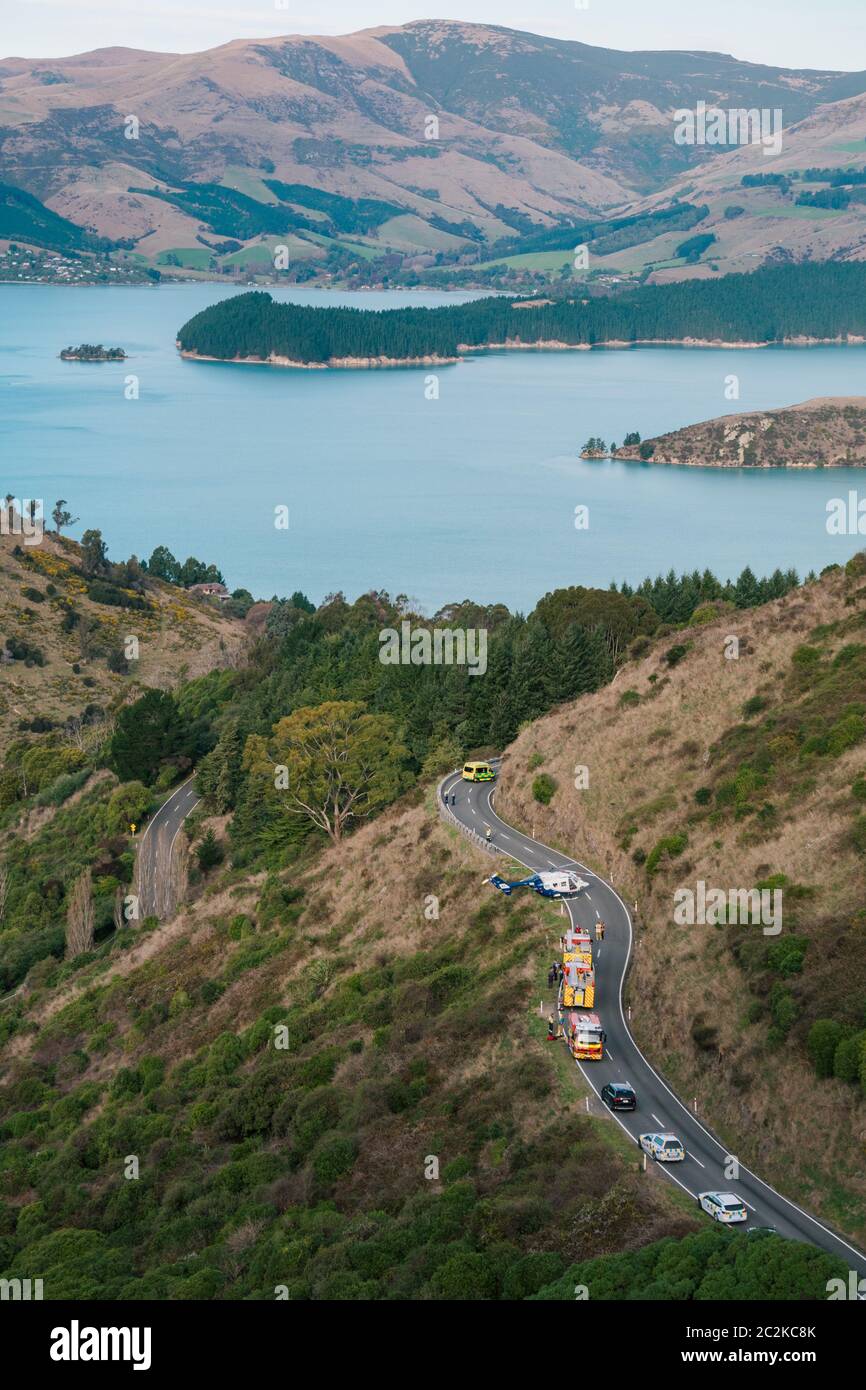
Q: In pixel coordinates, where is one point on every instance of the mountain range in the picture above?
(434, 138)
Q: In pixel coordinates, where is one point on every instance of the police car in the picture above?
(723, 1206)
(667, 1148)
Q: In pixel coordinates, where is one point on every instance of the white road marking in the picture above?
(697, 1160)
(657, 1120)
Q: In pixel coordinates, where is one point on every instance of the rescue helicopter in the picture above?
(559, 883)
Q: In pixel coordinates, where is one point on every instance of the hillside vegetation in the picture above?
(743, 773)
(316, 1085)
(328, 1073)
(822, 433)
(63, 631)
(326, 1088)
(767, 306)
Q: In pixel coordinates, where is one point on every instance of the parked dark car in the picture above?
(618, 1096)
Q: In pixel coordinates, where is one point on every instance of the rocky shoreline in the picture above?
(511, 345)
(827, 432)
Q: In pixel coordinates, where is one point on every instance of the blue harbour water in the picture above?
(472, 494)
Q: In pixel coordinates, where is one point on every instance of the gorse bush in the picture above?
(543, 788)
(668, 847)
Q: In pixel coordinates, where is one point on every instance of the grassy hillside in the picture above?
(331, 1094)
(65, 626)
(24, 218)
(407, 1040)
(738, 772)
(327, 1076)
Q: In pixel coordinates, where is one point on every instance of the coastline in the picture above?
(338, 363)
(515, 345)
(632, 456)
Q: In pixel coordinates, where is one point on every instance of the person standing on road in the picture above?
(488, 834)
(601, 931)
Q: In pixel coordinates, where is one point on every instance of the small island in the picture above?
(93, 352)
(827, 432)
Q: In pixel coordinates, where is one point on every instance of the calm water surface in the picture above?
(471, 495)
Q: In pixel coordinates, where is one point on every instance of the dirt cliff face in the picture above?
(821, 433)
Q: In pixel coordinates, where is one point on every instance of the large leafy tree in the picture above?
(331, 764)
(618, 617)
(148, 733)
(93, 553)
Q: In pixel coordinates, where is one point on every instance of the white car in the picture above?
(667, 1148)
(723, 1206)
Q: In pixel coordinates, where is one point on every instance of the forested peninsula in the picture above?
(808, 303)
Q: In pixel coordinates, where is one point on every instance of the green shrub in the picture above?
(209, 852)
(786, 954)
(848, 1058)
(127, 806)
(317, 1113)
(225, 1055)
(629, 698)
(543, 788)
(822, 1044)
(334, 1158)
(703, 796)
(465, 1277)
(529, 1274)
(669, 847)
(755, 705)
(783, 1011)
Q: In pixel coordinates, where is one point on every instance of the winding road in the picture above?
(154, 881)
(658, 1107)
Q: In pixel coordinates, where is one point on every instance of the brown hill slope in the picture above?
(532, 129)
(45, 605)
(752, 223)
(828, 432)
(735, 772)
(409, 1037)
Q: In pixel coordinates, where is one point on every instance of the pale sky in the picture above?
(785, 33)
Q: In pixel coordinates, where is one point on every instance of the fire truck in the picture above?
(584, 1035)
(578, 975)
